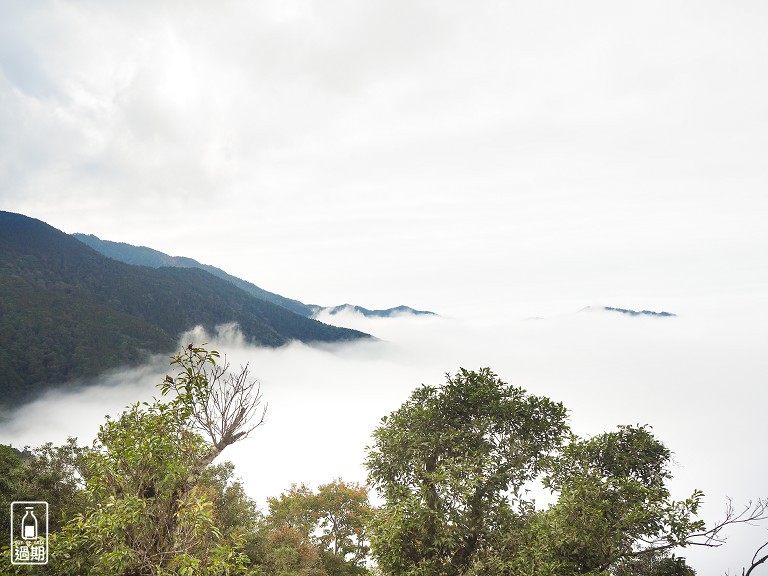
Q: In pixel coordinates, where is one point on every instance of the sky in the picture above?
(492, 162)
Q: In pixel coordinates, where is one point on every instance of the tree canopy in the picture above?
(334, 519)
(453, 465)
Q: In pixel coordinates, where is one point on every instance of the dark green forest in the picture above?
(451, 468)
(144, 256)
(68, 312)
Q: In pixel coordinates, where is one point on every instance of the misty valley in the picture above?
(469, 476)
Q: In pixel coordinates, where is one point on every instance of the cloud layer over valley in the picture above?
(695, 378)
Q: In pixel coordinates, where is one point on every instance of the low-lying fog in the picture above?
(698, 379)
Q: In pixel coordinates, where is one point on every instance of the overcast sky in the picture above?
(490, 161)
(447, 155)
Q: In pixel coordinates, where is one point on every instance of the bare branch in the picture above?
(220, 404)
(210, 399)
(752, 513)
(230, 409)
(755, 560)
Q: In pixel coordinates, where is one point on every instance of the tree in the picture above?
(653, 564)
(148, 510)
(342, 512)
(213, 401)
(286, 552)
(333, 519)
(294, 509)
(452, 464)
(49, 473)
(613, 511)
(236, 513)
(613, 501)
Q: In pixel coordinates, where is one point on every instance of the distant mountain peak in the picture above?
(630, 312)
(386, 313)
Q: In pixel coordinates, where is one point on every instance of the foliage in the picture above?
(49, 473)
(148, 509)
(613, 500)
(294, 509)
(653, 564)
(613, 512)
(236, 513)
(342, 511)
(452, 464)
(141, 518)
(47, 337)
(286, 552)
(333, 519)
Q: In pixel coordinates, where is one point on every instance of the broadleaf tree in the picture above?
(334, 519)
(149, 509)
(454, 463)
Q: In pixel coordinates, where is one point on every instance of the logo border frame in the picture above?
(10, 550)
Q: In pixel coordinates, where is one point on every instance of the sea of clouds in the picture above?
(697, 378)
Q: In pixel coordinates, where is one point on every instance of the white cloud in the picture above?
(694, 378)
(536, 145)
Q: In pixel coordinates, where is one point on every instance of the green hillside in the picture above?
(144, 256)
(67, 311)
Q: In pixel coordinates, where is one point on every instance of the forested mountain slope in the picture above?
(67, 311)
(145, 256)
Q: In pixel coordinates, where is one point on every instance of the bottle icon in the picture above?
(29, 525)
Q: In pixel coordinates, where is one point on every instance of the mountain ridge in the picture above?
(145, 256)
(67, 311)
(630, 312)
(382, 313)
